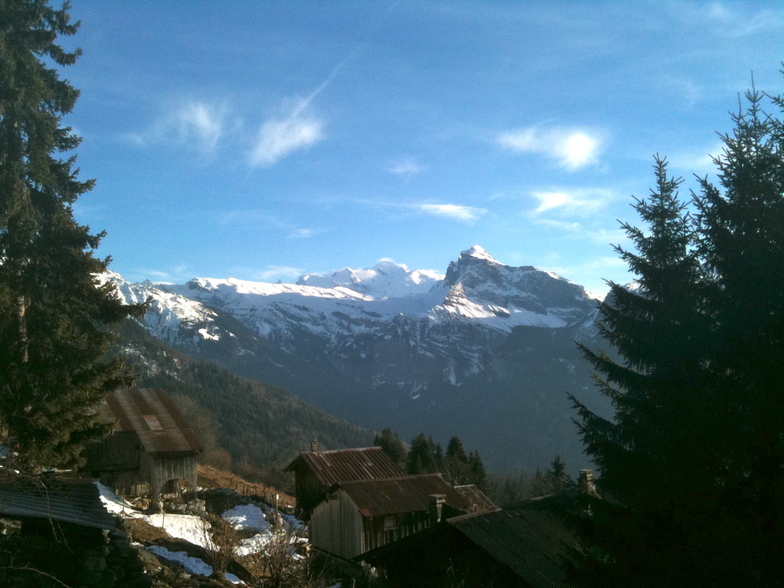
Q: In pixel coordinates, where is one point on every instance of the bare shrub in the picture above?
(283, 562)
(222, 539)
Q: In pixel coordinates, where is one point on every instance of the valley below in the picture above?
(485, 351)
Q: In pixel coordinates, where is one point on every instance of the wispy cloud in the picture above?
(600, 236)
(199, 121)
(573, 148)
(725, 20)
(583, 201)
(297, 129)
(255, 218)
(453, 211)
(458, 212)
(687, 90)
(696, 161)
(407, 167)
(196, 125)
(592, 273)
(303, 233)
(278, 137)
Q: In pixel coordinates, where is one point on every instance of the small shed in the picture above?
(151, 444)
(54, 524)
(316, 471)
(47, 498)
(357, 516)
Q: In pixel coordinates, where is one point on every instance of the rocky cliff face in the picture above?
(479, 352)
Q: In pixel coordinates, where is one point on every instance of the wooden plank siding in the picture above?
(336, 526)
(378, 531)
(160, 468)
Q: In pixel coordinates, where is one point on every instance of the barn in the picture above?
(150, 448)
(316, 471)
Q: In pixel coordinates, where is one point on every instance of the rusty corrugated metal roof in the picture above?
(401, 494)
(69, 500)
(532, 538)
(343, 465)
(151, 414)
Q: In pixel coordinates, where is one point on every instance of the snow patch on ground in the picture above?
(188, 527)
(207, 336)
(192, 565)
(247, 517)
(253, 544)
(114, 504)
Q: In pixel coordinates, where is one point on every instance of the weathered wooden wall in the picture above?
(307, 487)
(378, 531)
(160, 468)
(116, 462)
(120, 462)
(336, 526)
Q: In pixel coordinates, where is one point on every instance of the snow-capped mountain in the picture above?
(169, 314)
(386, 280)
(476, 289)
(388, 346)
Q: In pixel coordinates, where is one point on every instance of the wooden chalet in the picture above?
(357, 516)
(151, 445)
(316, 471)
(529, 545)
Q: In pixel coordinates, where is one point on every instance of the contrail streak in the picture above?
(323, 86)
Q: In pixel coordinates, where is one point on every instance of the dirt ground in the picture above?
(210, 477)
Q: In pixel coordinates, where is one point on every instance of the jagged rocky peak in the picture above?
(474, 266)
(484, 278)
(479, 253)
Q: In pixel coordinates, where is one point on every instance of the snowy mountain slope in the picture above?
(386, 280)
(169, 315)
(476, 288)
(409, 344)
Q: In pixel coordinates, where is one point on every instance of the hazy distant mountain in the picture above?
(485, 351)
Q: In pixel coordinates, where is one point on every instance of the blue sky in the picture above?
(262, 140)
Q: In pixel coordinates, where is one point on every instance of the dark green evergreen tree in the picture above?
(741, 223)
(645, 456)
(456, 469)
(477, 472)
(692, 467)
(55, 317)
(393, 445)
(422, 455)
(539, 484)
(455, 450)
(440, 459)
(559, 478)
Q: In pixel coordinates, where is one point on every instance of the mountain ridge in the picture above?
(392, 347)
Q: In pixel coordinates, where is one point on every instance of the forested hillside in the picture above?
(260, 424)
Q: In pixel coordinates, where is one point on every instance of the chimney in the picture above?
(313, 445)
(585, 482)
(434, 509)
